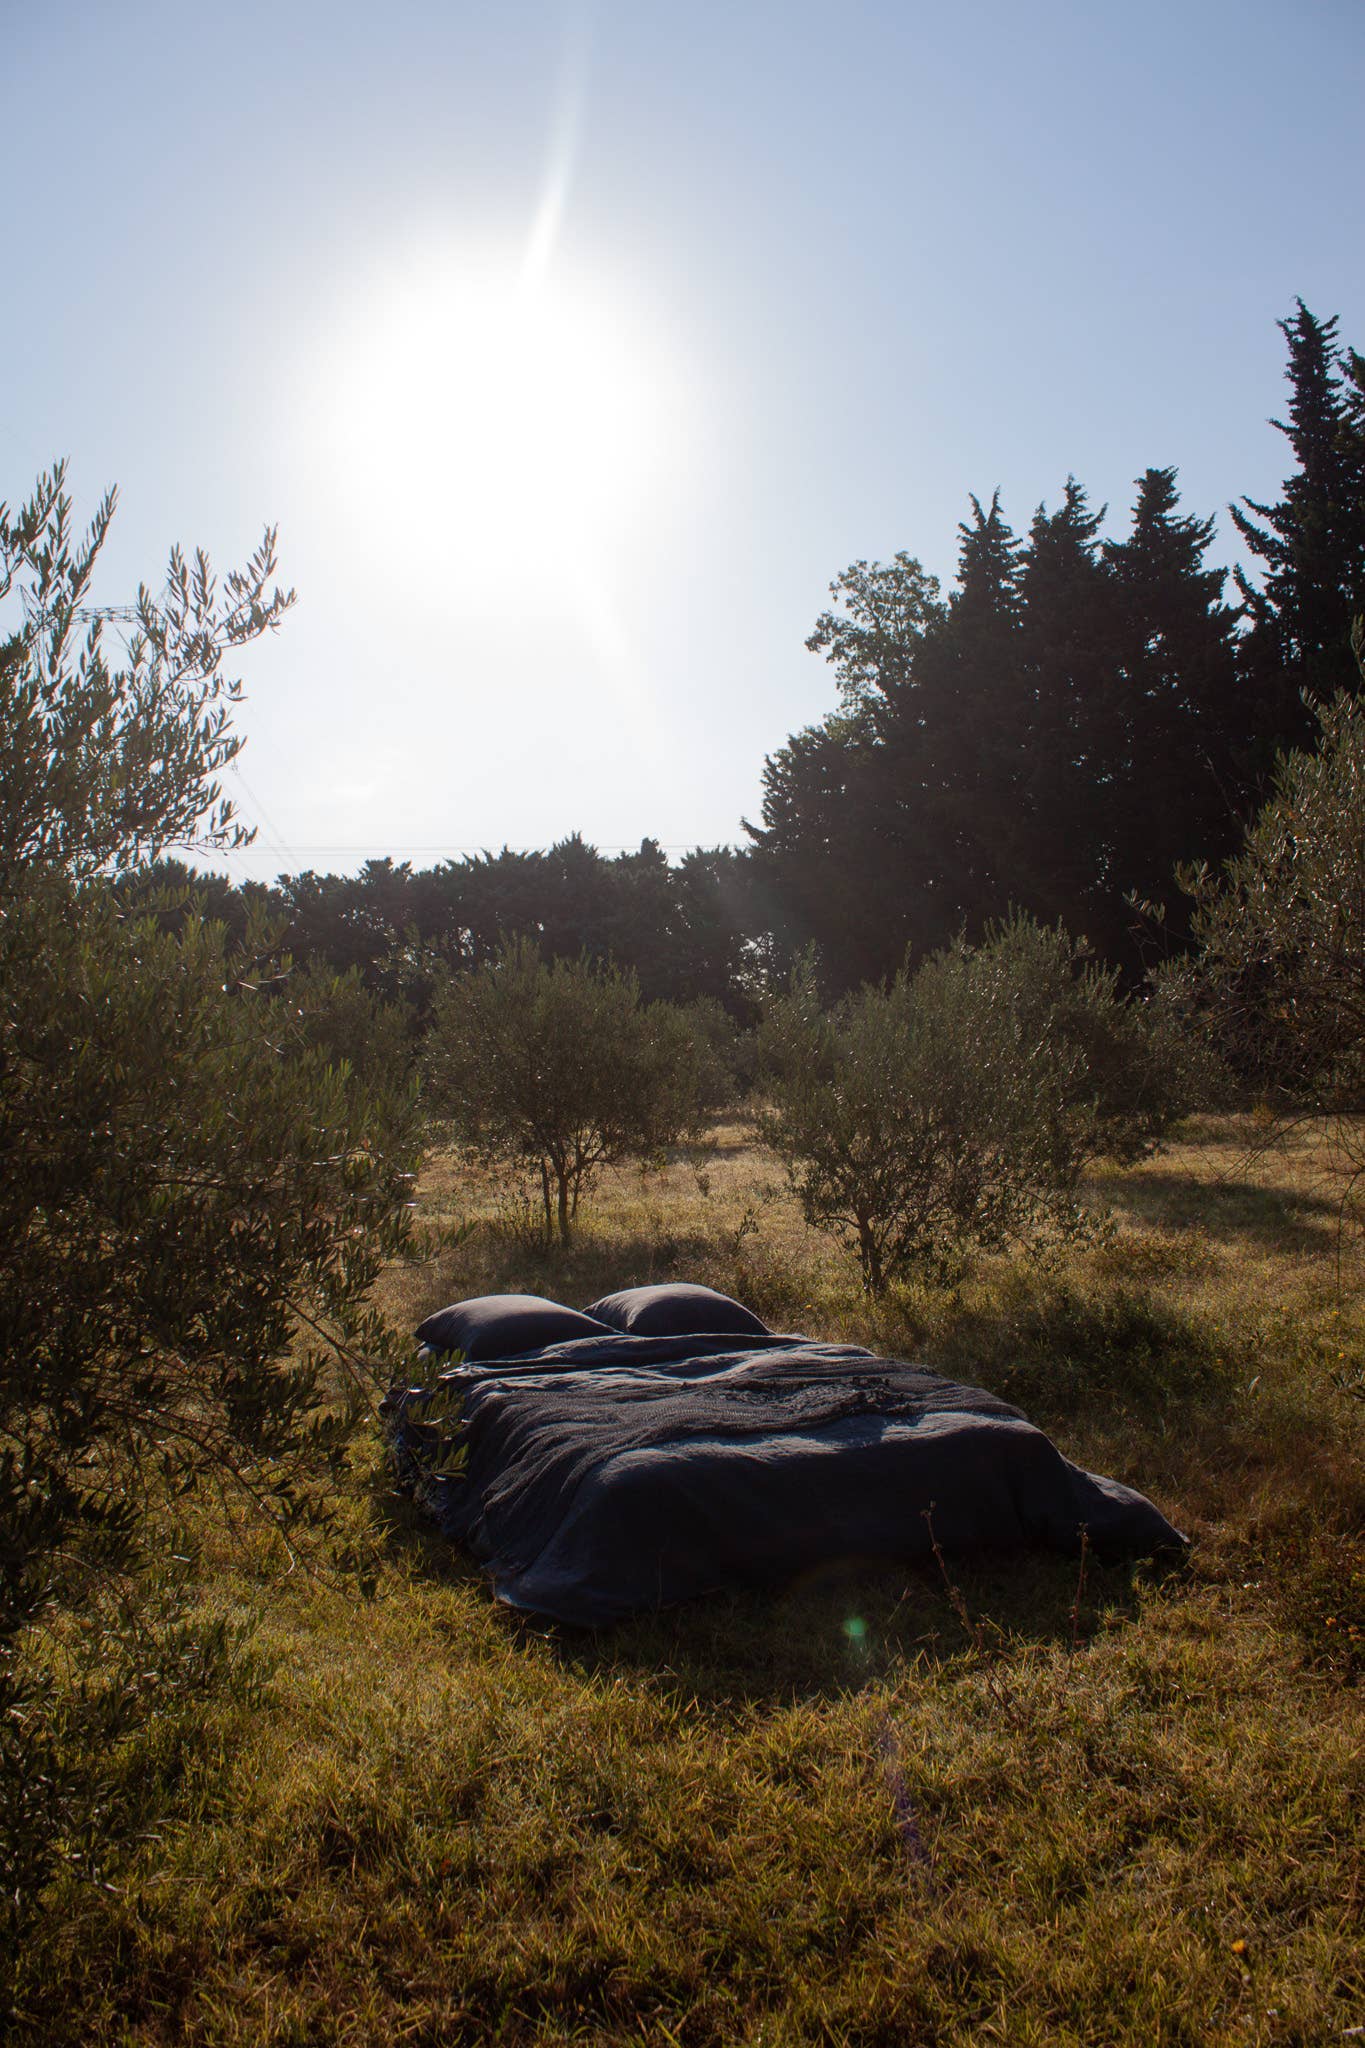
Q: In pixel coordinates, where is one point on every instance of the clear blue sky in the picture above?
(576, 348)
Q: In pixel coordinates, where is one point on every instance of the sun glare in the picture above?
(507, 415)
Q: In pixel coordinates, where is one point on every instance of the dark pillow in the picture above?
(504, 1326)
(677, 1310)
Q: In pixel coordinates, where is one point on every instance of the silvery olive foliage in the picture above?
(1277, 978)
(556, 1069)
(198, 1191)
(952, 1110)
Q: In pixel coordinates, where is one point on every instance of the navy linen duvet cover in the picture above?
(595, 1478)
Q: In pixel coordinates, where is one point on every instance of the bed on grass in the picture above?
(673, 1446)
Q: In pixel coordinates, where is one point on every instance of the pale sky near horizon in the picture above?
(576, 347)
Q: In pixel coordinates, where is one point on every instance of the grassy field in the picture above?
(1014, 1807)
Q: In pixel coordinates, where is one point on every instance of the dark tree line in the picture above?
(692, 929)
(1079, 715)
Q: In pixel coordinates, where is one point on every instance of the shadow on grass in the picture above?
(831, 1631)
(407, 1537)
(843, 1628)
(1059, 1350)
(1275, 1219)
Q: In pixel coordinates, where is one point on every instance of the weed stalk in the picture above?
(999, 1688)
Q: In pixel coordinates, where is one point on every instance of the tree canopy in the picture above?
(557, 1068)
(1310, 542)
(198, 1191)
(1083, 714)
(952, 1109)
(1278, 976)
(1055, 737)
(108, 764)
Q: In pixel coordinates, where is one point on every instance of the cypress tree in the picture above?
(951, 773)
(1182, 719)
(1072, 745)
(1311, 543)
(823, 851)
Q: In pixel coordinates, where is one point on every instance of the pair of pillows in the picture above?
(507, 1325)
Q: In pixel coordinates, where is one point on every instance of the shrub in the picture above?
(1277, 978)
(559, 1069)
(350, 1024)
(726, 1050)
(192, 1185)
(953, 1110)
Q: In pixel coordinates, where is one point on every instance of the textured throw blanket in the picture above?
(606, 1475)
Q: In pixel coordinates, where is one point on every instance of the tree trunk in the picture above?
(545, 1196)
(564, 1205)
(870, 1257)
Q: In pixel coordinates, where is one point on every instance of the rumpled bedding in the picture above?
(596, 1478)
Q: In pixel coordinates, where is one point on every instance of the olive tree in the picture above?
(1277, 976)
(197, 1192)
(953, 1109)
(1276, 980)
(557, 1068)
(106, 762)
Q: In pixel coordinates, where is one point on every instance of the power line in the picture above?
(124, 614)
(483, 846)
(258, 816)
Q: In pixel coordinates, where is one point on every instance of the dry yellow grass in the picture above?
(748, 1822)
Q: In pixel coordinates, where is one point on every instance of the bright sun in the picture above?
(508, 416)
